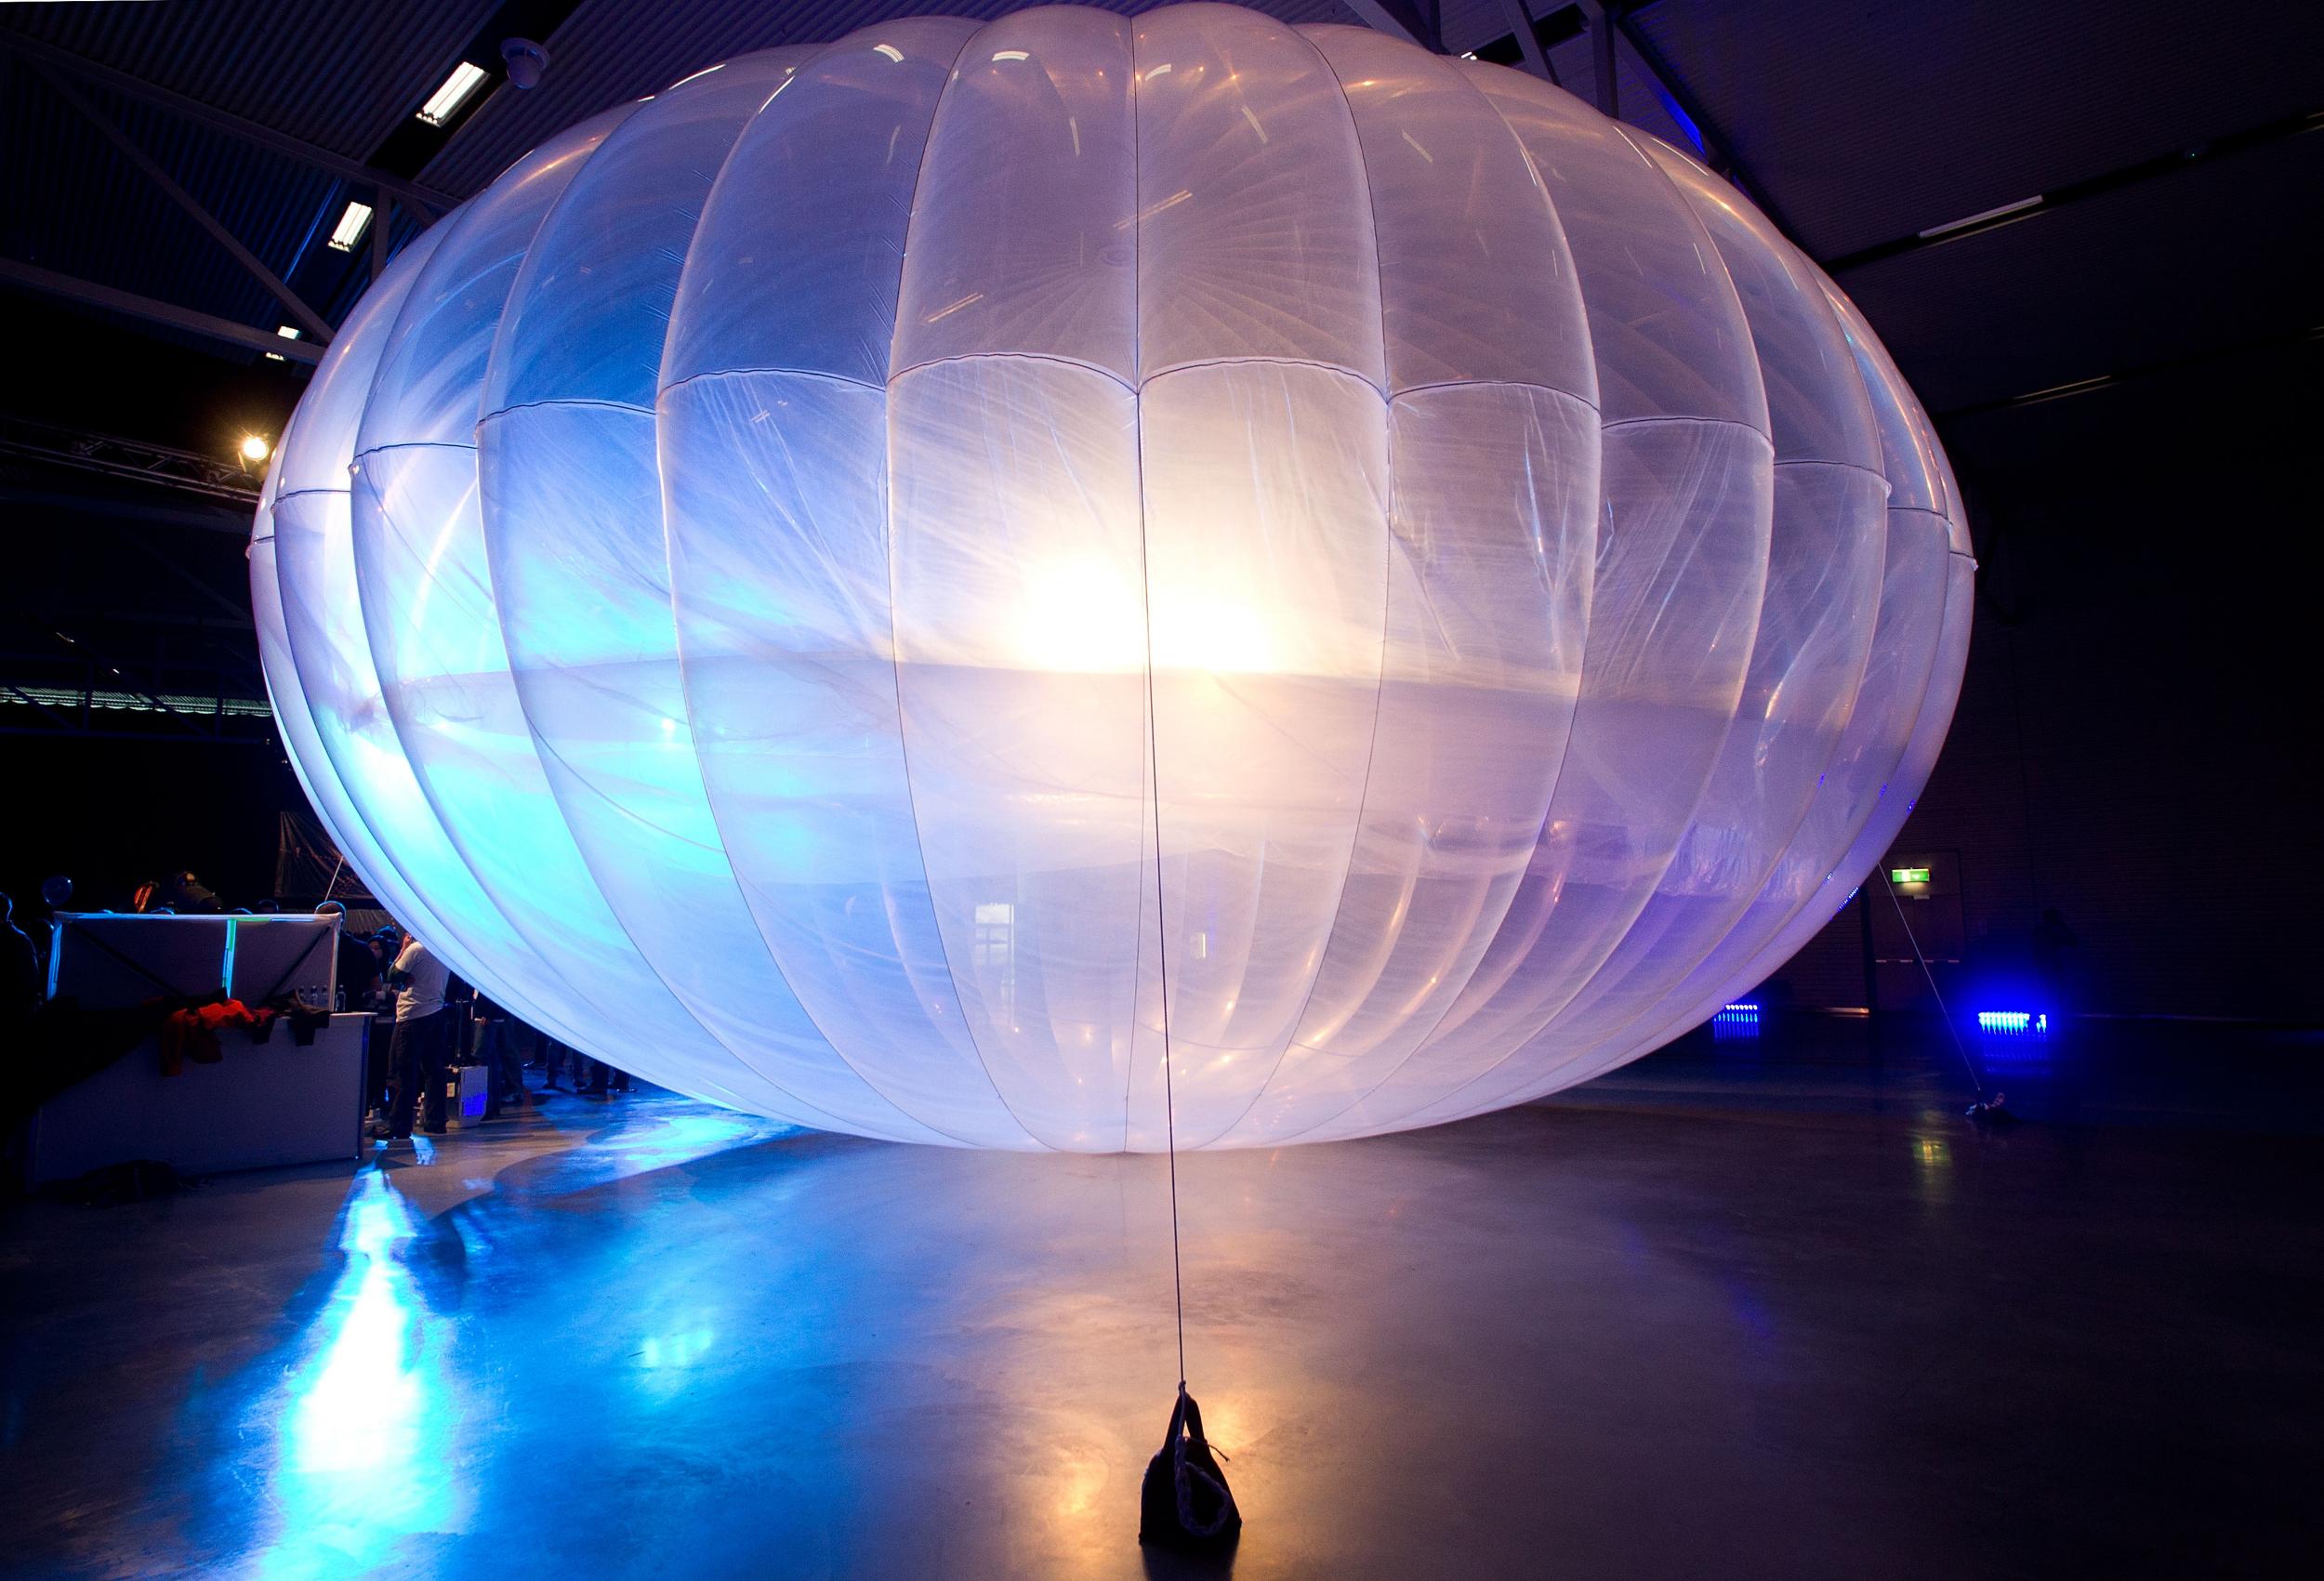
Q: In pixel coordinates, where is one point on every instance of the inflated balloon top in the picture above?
(867, 583)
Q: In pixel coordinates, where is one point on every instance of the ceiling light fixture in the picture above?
(350, 230)
(1980, 217)
(458, 90)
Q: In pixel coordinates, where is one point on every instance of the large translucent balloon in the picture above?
(868, 585)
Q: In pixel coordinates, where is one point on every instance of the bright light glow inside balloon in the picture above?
(865, 586)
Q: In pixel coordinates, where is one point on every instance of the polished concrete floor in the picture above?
(1754, 1310)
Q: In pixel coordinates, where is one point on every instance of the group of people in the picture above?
(435, 1021)
(436, 1017)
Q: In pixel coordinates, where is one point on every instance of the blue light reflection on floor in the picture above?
(370, 1440)
(365, 1421)
(662, 1141)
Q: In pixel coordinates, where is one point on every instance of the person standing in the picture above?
(21, 980)
(496, 1051)
(553, 1054)
(418, 1047)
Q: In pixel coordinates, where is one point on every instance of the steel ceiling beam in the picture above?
(134, 460)
(1520, 20)
(316, 324)
(32, 277)
(1602, 67)
(423, 200)
(2055, 198)
(1399, 18)
(382, 208)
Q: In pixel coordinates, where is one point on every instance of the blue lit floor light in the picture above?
(1735, 1020)
(2015, 1041)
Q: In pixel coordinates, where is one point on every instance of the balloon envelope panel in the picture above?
(893, 582)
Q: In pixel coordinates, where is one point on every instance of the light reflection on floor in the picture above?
(672, 1134)
(367, 1431)
(646, 1340)
(367, 1420)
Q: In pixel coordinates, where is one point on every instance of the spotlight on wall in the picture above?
(350, 230)
(255, 448)
(527, 61)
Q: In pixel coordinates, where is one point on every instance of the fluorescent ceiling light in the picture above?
(1980, 217)
(286, 332)
(349, 228)
(457, 87)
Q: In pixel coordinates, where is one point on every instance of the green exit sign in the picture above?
(1908, 874)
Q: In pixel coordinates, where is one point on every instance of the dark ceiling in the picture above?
(1859, 125)
(2174, 152)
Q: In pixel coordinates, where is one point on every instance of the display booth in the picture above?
(259, 1096)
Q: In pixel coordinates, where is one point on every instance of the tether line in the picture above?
(1162, 947)
(1944, 1012)
(1161, 928)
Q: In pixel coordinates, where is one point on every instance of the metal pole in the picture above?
(1871, 969)
(379, 232)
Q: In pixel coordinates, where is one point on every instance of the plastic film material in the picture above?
(320, 672)
(1807, 660)
(1819, 869)
(1020, 238)
(1254, 231)
(816, 587)
(1021, 677)
(573, 520)
(796, 263)
(435, 635)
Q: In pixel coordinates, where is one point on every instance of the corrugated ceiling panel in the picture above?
(2218, 253)
(341, 73)
(1467, 24)
(1872, 123)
